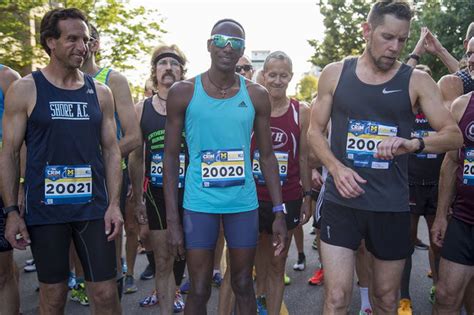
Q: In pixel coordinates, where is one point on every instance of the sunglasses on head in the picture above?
(222, 41)
(246, 68)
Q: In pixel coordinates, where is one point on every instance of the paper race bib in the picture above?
(363, 137)
(468, 170)
(422, 134)
(156, 169)
(282, 158)
(222, 168)
(65, 184)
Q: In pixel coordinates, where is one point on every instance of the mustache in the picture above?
(168, 73)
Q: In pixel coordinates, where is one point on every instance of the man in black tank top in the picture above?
(73, 176)
(168, 66)
(370, 102)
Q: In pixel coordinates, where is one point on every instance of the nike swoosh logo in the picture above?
(385, 91)
(296, 220)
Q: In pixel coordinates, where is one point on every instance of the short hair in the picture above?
(49, 24)
(470, 31)
(280, 55)
(230, 21)
(424, 68)
(163, 49)
(400, 9)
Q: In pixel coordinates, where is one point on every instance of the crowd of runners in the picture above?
(226, 166)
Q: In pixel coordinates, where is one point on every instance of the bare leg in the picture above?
(386, 279)
(338, 277)
(452, 283)
(276, 271)
(226, 296)
(469, 297)
(200, 263)
(52, 298)
(241, 264)
(363, 275)
(164, 277)
(299, 238)
(219, 249)
(262, 260)
(9, 295)
(104, 297)
(131, 244)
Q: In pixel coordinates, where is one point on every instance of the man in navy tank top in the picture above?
(73, 176)
(9, 295)
(370, 101)
(218, 111)
(456, 235)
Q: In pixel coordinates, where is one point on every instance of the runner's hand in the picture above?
(113, 222)
(175, 240)
(438, 231)
(394, 146)
(140, 211)
(16, 226)
(347, 182)
(280, 233)
(305, 213)
(316, 179)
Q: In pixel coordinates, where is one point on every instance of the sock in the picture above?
(364, 299)
(215, 271)
(151, 258)
(301, 257)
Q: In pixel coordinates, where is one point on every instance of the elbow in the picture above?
(457, 140)
(135, 141)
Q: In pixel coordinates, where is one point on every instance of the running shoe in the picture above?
(79, 294)
(315, 244)
(404, 307)
(178, 305)
(31, 267)
(148, 273)
(29, 262)
(261, 305)
(287, 279)
(185, 287)
(420, 245)
(313, 230)
(71, 283)
(217, 280)
(432, 296)
(317, 278)
(130, 286)
(149, 300)
(367, 311)
(300, 264)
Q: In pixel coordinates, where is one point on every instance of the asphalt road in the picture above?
(299, 298)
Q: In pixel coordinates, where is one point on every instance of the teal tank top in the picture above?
(219, 176)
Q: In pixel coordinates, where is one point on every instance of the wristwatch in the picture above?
(9, 209)
(413, 56)
(279, 208)
(422, 145)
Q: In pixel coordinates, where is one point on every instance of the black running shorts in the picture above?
(266, 215)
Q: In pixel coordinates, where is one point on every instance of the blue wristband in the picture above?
(279, 208)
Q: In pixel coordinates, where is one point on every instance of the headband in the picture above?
(168, 54)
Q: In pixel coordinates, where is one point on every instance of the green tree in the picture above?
(342, 35)
(127, 33)
(307, 86)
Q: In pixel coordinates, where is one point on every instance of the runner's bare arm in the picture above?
(125, 110)
(448, 136)
(179, 97)
(111, 154)
(451, 88)
(18, 104)
(305, 170)
(346, 180)
(447, 179)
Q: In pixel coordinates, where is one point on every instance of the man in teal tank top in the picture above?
(128, 133)
(218, 111)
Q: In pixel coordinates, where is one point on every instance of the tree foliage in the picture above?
(307, 86)
(127, 33)
(447, 19)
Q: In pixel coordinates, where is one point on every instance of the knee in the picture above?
(444, 298)
(201, 290)
(277, 266)
(104, 296)
(386, 299)
(163, 264)
(241, 285)
(337, 298)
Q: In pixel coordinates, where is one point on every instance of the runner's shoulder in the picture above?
(458, 107)
(182, 91)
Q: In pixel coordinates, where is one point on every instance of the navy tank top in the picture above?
(65, 174)
(362, 116)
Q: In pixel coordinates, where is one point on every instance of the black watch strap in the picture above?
(422, 146)
(9, 209)
(307, 193)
